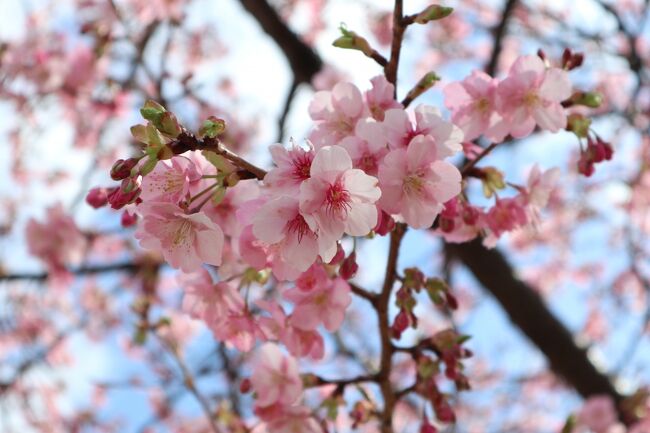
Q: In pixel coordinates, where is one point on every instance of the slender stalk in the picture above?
(471, 164)
(382, 304)
(398, 34)
(188, 379)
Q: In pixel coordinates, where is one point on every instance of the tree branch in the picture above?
(500, 32)
(527, 310)
(385, 385)
(304, 62)
(86, 270)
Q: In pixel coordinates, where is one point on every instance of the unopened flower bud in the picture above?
(245, 386)
(351, 41)
(128, 219)
(427, 427)
(444, 412)
(433, 13)
(338, 257)
(385, 224)
(97, 197)
(122, 168)
(349, 266)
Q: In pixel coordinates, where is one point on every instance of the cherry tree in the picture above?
(324, 215)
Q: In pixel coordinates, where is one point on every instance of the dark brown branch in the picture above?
(86, 270)
(363, 293)
(527, 310)
(382, 304)
(500, 32)
(285, 110)
(471, 164)
(390, 70)
(187, 141)
(304, 62)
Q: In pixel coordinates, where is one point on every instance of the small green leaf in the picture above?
(139, 132)
(433, 13)
(212, 127)
(351, 41)
(569, 425)
(169, 125)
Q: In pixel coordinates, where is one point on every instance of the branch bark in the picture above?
(527, 310)
(304, 62)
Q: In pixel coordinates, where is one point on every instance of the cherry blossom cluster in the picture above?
(368, 165)
(460, 221)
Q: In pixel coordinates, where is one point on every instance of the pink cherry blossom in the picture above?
(57, 241)
(400, 130)
(459, 221)
(367, 147)
(252, 250)
(324, 304)
(225, 214)
(531, 95)
(186, 241)
(598, 414)
(299, 342)
(473, 104)
(207, 301)
(539, 187)
(416, 184)
(506, 215)
(280, 223)
(295, 419)
(275, 377)
(338, 199)
(238, 330)
(380, 97)
(292, 168)
(170, 180)
(315, 276)
(335, 114)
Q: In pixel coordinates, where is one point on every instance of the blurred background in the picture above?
(556, 313)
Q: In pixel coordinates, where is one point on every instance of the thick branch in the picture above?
(390, 70)
(383, 301)
(528, 311)
(499, 33)
(304, 62)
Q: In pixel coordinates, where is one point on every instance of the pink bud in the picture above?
(385, 224)
(585, 167)
(128, 219)
(427, 427)
(97, 197)
(122, 168)
(444, 412)
(339, 256)
(446, 224)
(349, 266)
(245, 386)
(401, 322)
(125, 194)
(470, 215)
